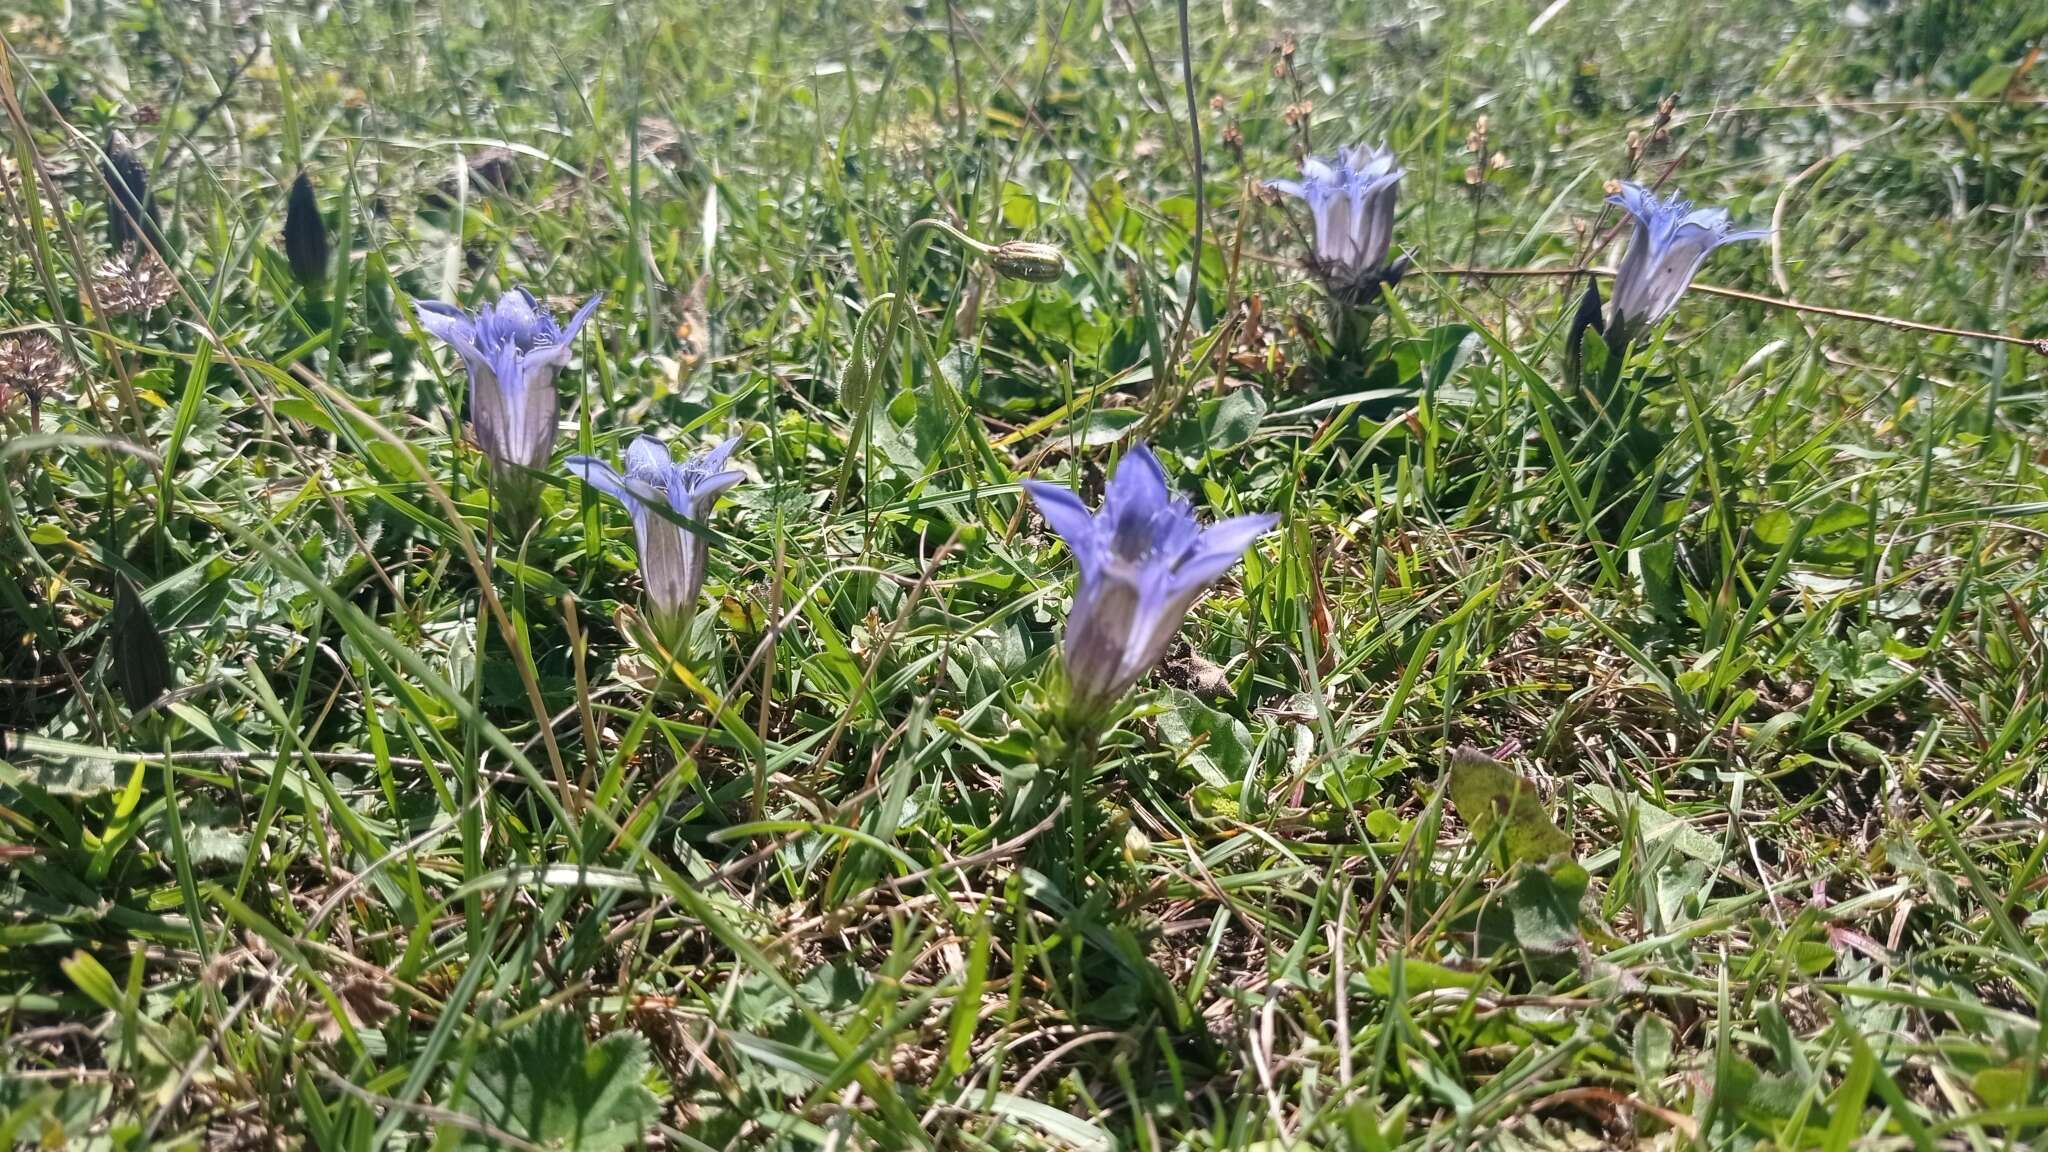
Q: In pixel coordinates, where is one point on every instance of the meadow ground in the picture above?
(335, 813)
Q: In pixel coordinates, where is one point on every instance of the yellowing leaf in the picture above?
(1488, 797)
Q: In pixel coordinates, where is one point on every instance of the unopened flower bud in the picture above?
(131, 209)
(305, 234)
(1024, 260)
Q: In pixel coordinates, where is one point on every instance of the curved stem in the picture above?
(2034, 344)
(1187, 311)
(866, 372)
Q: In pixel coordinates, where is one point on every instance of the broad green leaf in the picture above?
(1657, 827)
(547, 1085)
(1545, 907)
(1217, 746)
(1488, 796)
(1420, 976)
(2001, 1088)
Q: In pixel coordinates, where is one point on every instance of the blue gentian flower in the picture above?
(1144, 562)
(1672, 240)
(1352, 199)
(672, 555)
(513, 350)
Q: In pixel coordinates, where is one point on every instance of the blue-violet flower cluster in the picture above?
(1672, 240)
(672, 554)
(1144, 562)
(513, 350)
(1351, 197)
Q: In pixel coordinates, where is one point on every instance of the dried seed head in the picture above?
(693, 324)
(967, 310)
(33, 367)
(132, 284)
(1475, 140)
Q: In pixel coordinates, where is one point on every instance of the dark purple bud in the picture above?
(140, 664)
(1587, 318)
(131, 210)
(305, 234)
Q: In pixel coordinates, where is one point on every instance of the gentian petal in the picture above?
(1072, 520)
(704, 490)
(1174, 531)
(1139, 484)
(1221, 546)
(1065, 512)
(1352, 201)
(1144, 560)
(672, 556)
(531, 434)
(713, 459)
(490, 409)
(450, 324)
(1163, 604)
(601, 476)
(518, 313)
(1631, 279)
(664, 569)
(647, 456)
(1671, 242)
(1107, 609)
(581, 315)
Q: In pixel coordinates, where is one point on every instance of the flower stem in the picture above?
(1083, 745)
(871, 362)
